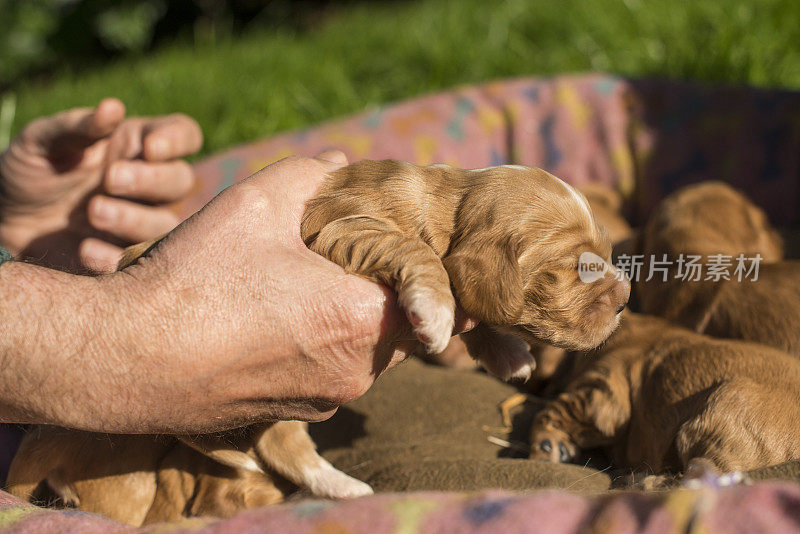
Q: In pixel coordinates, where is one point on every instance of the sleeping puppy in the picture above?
(658, 397)
(507, 239)
(709, 219)
(141, 479)
(606, 206)
(503, 242)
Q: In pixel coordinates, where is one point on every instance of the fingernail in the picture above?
(121, 180)
(105, 211)
(158, 148)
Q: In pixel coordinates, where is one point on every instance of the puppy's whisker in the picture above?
(590, 475)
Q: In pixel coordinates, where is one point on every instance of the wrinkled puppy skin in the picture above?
(659, 397)
(503, 242)
(709, 219)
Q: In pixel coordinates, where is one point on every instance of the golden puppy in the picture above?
(506, 240)
(606, 206)
(138, 479)
(711, 219)
(658, 396)
(503, 242)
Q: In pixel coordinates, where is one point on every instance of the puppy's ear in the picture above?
(486, 279)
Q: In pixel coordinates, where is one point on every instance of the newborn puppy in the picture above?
(658, 396)
(709, 219)
(504, 242)
(140, 479)
(506, 239)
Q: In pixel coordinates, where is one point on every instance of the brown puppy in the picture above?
(658, 396)
(709, 219)
(507, 239)
(139, 479)
(503, 241)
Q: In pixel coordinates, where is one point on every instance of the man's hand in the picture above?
(274, 331)
(77, 186)
(229, 320)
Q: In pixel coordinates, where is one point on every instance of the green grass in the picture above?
(262, 83)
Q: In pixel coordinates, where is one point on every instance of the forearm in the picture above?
(54, 346)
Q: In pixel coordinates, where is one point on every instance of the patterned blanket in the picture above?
(763, 508)
(644, 138)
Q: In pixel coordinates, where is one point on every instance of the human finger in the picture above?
(76, 128)
(149, 181)
(170, 137)
(98, 255)
(128, 220)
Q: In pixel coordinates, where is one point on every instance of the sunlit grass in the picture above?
(374, 53)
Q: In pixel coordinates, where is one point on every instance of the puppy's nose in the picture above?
(620, 295)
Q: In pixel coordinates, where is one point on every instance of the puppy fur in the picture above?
(503, 242)
(658, 396)
(712, 218)
(552, 365)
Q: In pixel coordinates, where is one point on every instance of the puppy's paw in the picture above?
(432, 316)
(552, 446)
(702, 472)
(327, 481)
(505, 356)
(64, 490)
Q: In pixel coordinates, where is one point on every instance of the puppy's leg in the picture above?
(64, 489)
(287, 448)
(175, 484)
(377, 249)
(503, 355)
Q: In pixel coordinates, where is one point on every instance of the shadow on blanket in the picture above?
(423, 427)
